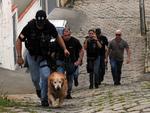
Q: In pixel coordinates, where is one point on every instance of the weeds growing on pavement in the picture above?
(6, 104)
(4, 101)
(145, 85)
(3, 94)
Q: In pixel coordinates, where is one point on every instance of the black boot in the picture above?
(38, 92)
(44, 103)
(96, 85)
(91, 81)
(76, 83)
(69, 96)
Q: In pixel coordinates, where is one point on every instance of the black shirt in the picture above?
(74, 46)
(103, 40)
(37, 41)
(49, 28)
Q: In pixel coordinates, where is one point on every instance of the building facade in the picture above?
(14, 15)
(11, 25)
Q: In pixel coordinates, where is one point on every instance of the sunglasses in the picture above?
(118, 34)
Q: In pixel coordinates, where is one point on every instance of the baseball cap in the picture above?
(98, 31)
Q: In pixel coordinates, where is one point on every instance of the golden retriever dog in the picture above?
(57, 89)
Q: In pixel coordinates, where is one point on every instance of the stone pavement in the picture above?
(133, 95)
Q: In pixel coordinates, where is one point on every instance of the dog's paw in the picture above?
(57, 101)
(55, 104)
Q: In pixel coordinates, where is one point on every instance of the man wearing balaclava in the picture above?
(37, 35)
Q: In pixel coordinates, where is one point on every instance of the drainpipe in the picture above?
(46, 6)
(58, 3)
(142, 17)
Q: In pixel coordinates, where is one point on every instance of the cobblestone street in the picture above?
(133, 96)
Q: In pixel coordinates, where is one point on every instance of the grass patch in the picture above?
(3, 109)
(121, 98)
(4, 101)
(110, 98)
(146, 85)
(8, 103)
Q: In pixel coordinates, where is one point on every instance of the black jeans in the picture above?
(92, 70)
(101, 68)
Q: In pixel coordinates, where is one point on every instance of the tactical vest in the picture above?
(38, 44)
(92, 49)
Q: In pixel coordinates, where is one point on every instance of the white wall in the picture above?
(0, 32)
(6, 31)
(6, 40)
(28, 16)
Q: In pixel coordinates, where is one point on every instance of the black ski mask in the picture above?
(40, 18)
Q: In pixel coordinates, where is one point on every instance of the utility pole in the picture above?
(142, 17)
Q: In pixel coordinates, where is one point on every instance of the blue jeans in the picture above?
(101, 71)
(34, 68)
(116, 67)
(39, 73)
(70, 79)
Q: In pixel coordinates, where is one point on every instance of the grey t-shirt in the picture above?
(117, 49)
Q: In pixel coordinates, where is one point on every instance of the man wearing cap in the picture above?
(37, 35)
(101, 55)
(116, 54)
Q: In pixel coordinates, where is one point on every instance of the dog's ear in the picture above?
(62, 79)
(65, 75)
(65, 72)
(50, 81)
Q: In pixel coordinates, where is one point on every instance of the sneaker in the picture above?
(44, 103)
(76, 83)
(38, 92)
(68, 96)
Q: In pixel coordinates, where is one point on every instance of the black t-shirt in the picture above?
(103, 40)
(74, 46)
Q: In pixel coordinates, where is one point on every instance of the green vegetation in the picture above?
(4, 101)
(121, 98)
(146, 85)
(110, 98)
(8, 103)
